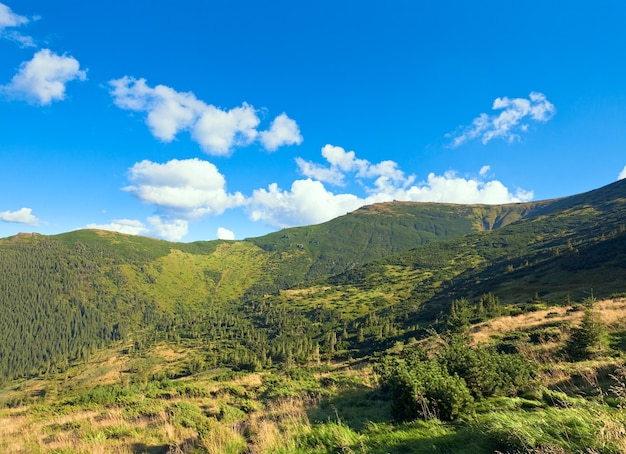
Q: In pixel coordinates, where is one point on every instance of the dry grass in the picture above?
(46, 428)
(278, 425)
(169, 354)
(611, 312)
(87, 431)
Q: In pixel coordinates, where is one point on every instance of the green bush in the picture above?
(446, 386)
(186, 415)
(516, 374)
(105, 396)
(476, 366)
(424, 390)
(487, 372)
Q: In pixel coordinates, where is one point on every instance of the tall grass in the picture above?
(592, 429)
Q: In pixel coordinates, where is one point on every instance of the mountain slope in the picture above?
(376, 231)
(565, 248)
(383, 268)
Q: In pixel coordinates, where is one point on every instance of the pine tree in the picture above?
(458, 321)
(584, 342)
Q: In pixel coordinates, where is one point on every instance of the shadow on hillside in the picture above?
(590, 382)
(354, 407)
(142, 448)
(425, 442)
(617, 340)
(188, 445)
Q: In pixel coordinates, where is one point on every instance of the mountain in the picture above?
(388, 268)
(558, 250)
(376, 231)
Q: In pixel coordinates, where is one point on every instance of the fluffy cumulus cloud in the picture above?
(622, 174)
(170, 229)
(225, 234)
(44, 78)
(283, 131)
(216, 130)
(308, 201)
(513, 119)
(160, 226)
(343, 162)
(451, 188)
(185, 189)
(21, 216)
(331, 175)
(181, 191)
(10, 20)
(128, 226)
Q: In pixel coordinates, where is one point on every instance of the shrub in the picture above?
(487, 372)
(475, 366)
(425, 390)
(186, 415)
(447, 385)
(516, 374)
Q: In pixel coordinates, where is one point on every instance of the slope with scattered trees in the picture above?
(392, 293)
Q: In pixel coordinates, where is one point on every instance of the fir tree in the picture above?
(584, 342)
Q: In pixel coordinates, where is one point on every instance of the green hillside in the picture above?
(376, 231)
(384, 271)
(554, 251)
(401, 327)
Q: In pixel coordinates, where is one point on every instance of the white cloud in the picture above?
(225, 234)
(170, 229)
(331, 175)
(21, 216)
(309, 202)
(43, 79)
(169, 111)
(341, 162)
(283, 131)
(8, 19)
(509, 122)
(622, 174)
(342, 159)
(216, 130)
(160, 226)
(189, 188)
(128, 226)
(450, 188)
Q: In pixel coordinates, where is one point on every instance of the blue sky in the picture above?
(196, 120)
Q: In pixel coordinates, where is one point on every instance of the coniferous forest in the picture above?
(400, 327)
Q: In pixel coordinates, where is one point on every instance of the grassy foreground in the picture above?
(125, 402)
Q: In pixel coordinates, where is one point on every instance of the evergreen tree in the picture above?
(458, 321)
(584, 342)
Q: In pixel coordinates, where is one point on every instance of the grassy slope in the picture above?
(121, 403)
